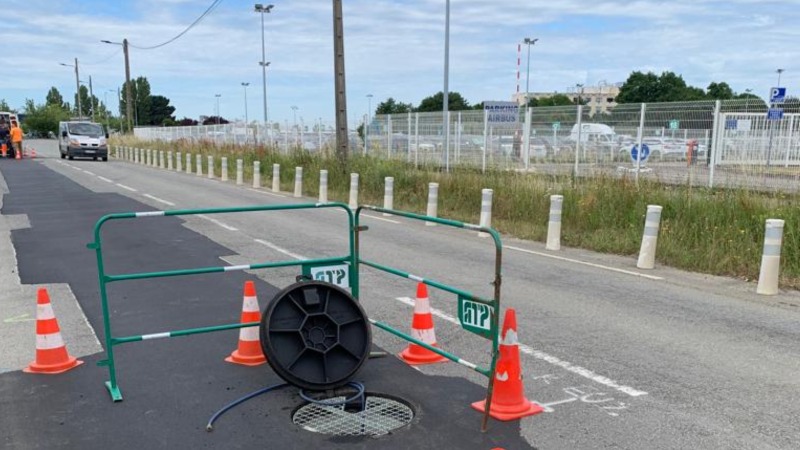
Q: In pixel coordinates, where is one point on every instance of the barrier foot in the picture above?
(116, 395)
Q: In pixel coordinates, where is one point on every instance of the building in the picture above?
(599, 99)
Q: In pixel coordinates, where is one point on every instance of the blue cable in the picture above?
(210, 425)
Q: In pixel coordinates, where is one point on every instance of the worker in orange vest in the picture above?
(16, 138)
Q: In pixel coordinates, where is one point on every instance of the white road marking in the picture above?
(104, 179)
(380, 218)
(222, 224)
(89, 173)
(598, 266)
(266, 192)
(578, 370)
(160, 200)
(279, 249)
(126, 187)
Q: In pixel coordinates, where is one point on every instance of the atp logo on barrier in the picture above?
(475, 317)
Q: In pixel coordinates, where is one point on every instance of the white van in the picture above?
(82, 139)
(595, 136)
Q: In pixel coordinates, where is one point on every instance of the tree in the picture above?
(43, 119)
(54, 98)
(4, 106)
(649, 87)
(140, 94)
(160, 110)
(391, 106)
(186, 122)
(553, 100)
(455, 102)
(719, 91)
(212, 120)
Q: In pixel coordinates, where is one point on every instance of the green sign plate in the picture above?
(338, 274)
(475, 317)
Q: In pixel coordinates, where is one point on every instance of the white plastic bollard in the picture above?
(239, 171)
(210, 166)
(188, 163)
(276, 178)
(199, 161)
(161, 159)
(771, 258)
(554, 224)
(433, 202)
(388, 194)
(298, 181)
(353, 191)
(224, 169)
(147, 153)
(256, 174)
(323, 186)
(647, 253)
(178, 162)
(486, 210)
(169, 160)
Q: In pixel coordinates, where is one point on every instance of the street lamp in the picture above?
(580, 92)
(259, 8)
(366, 126)
(217, 96)
(77, 86)
(246, 120)
(446, 94)
(780, 71)
(128, 105)
(528, 42)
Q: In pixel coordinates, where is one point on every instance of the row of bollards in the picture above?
(770, 259)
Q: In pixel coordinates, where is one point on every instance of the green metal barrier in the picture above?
(104, 278)
(476, 314)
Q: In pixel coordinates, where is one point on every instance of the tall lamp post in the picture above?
(446, 93)
(528, 42)
(217, 96)
(366, 125)
(77, 86)
(128, 105)
(259, 8)
(246, 120)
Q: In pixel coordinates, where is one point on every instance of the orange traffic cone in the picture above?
(18, 154)
(51, 352)
(422, 329)
(4, 149)
(249, 352)
(33, 153)
(508, 400)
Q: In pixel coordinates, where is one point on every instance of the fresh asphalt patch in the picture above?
(171, 387)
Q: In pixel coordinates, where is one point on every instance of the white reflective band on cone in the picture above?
(49, 341)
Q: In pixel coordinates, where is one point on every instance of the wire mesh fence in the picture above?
(732, 143)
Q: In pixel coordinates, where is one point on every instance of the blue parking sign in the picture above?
(775, 114)
(777, 95)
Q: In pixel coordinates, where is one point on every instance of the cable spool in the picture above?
(315, 335)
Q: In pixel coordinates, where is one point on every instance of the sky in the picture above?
(393, 48)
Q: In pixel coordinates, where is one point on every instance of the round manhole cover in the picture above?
(380, 415)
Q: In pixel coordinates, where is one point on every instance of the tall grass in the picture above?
(716, 231)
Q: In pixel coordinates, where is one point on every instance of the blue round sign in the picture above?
(635, 152)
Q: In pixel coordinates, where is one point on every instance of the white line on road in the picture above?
(222, 224)
(89, 173)
(126, 187)
(279, 249)
(266, 192)
(160, 200)
(578, 370)
(380, 218)
(104, 179)
(599, 266)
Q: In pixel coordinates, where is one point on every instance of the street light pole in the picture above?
(366, 126)
(529, 42)
(259, 8)
(246, 120)
(217, 96)
(780, 71)
(77, 86)
(128, 95)
(446, 94)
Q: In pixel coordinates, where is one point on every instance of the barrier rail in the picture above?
(476, 314)
(104, 278)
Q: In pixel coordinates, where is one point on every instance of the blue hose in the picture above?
(210, 425)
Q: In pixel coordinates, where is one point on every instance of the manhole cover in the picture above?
(380, 416)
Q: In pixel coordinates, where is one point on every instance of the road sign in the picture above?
(674, 124)
(777, 95)
(635, 152)
(475, 317)
(337, 274)
(501, 113)
(775, 114)
(731, 124)
(556, 126)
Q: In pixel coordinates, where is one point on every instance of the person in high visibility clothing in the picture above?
(16, 138)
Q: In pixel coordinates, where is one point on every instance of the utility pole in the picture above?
(91, 98)
(338, 68)
(128, 104)
(446, 93)
(78, 90)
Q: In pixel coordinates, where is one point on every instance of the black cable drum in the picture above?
(315, 335)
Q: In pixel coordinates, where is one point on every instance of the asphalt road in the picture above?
(620, 358)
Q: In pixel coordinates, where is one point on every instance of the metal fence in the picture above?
(707, 143)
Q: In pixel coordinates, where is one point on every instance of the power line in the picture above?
(213, 5)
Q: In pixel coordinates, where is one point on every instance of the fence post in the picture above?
(353, 191)
(408, 138)
(199, 161)
(239, 171)
(178, 162)
(298, 181)
(458, 138)
(256, 174)
(416, 139)
(771, 258)
(388, 194)
(223, 169)
(554, 224)
(210, 166)
(577, 143)
(526, 138)
(433, 202)
(169, 160)
(323, 186)
(276, 178)
(486, 210)
(639, 143)
(647, 252)
(485, 140)
(388, 136)
(188, 162)
(712, 150)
